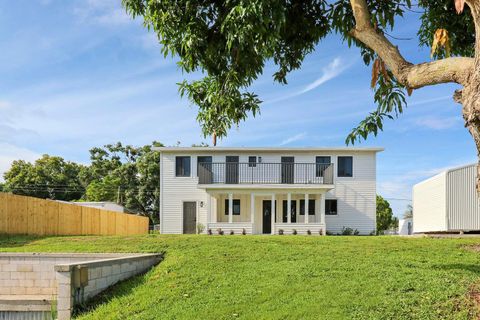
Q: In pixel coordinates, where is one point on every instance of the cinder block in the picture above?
(64, 302)
(24, 268)
(42, 283)
(106, 271)
(116, 269)
(8, 267)
(18, 290)
(49, 291)
(4, 275)
(64, 314)
(11, 283)
(64, 291)
(101, 283)
(5, 290)
(4, 260)
(32, 275)
(17, 275)
(63, 278)
(25, 283)
(33, 291)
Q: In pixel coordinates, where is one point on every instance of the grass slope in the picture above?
(283, 277)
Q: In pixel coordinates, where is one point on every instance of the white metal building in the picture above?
(267, 190)
(447, 202)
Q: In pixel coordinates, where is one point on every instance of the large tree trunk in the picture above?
(461, 70)
(469, 97)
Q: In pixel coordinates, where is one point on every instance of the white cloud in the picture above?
(437, 123)
(331, 71)
(294, 138)
(10, 153)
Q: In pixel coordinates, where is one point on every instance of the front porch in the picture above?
(267, 212)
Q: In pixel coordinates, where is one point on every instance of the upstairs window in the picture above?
(345, 167)
(252, 161)
(322, 163)
(182, 166)
(311, 207)
(236, 207)
(331, 207)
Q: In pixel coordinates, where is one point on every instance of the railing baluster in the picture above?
(265, 173)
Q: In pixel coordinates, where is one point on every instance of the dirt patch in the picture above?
(472, 247)
(474, 299)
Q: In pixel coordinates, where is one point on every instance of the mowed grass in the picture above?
(284, 277)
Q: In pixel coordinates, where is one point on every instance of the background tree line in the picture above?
(127, 175)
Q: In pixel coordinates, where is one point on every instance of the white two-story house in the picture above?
(267, 190)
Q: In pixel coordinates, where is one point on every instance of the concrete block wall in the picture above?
(34, 274)
(101, 275)
(26, 279)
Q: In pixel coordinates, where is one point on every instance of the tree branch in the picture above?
(413, 76)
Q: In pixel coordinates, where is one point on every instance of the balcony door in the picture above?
(288, 169)
(231, 169)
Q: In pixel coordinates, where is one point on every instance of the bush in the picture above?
(244, 232)
(232, 232)
(209, 232)
(349, 232)
(346, 231)
(280, 232)
(294, 231)
(200, 228)
(320, 232)
(220, 232)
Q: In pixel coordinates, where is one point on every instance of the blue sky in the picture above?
(78, 74)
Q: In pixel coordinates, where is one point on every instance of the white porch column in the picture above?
(273, 213)
(252, 208)
(322, 213)
(230, 208)
(306, 207)
(209, 209)
(289, 208)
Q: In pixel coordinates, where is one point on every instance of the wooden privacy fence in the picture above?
(27, 215)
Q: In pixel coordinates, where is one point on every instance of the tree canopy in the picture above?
(127, 175)
(385, 218)
(230, 42)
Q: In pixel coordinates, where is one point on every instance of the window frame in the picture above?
(183, 175)
(311, 209)
(338, 167)
(252, 164)
(233, 211)
(318, 172)
(336, 205)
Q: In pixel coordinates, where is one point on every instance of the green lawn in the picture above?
(284, 277)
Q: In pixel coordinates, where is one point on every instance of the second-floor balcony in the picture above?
(264, 173)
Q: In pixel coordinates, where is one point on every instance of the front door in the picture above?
(231, 169)
(267, 216)
(189, 217)
(288, 169)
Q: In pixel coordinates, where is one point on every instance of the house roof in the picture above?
(266, 149)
